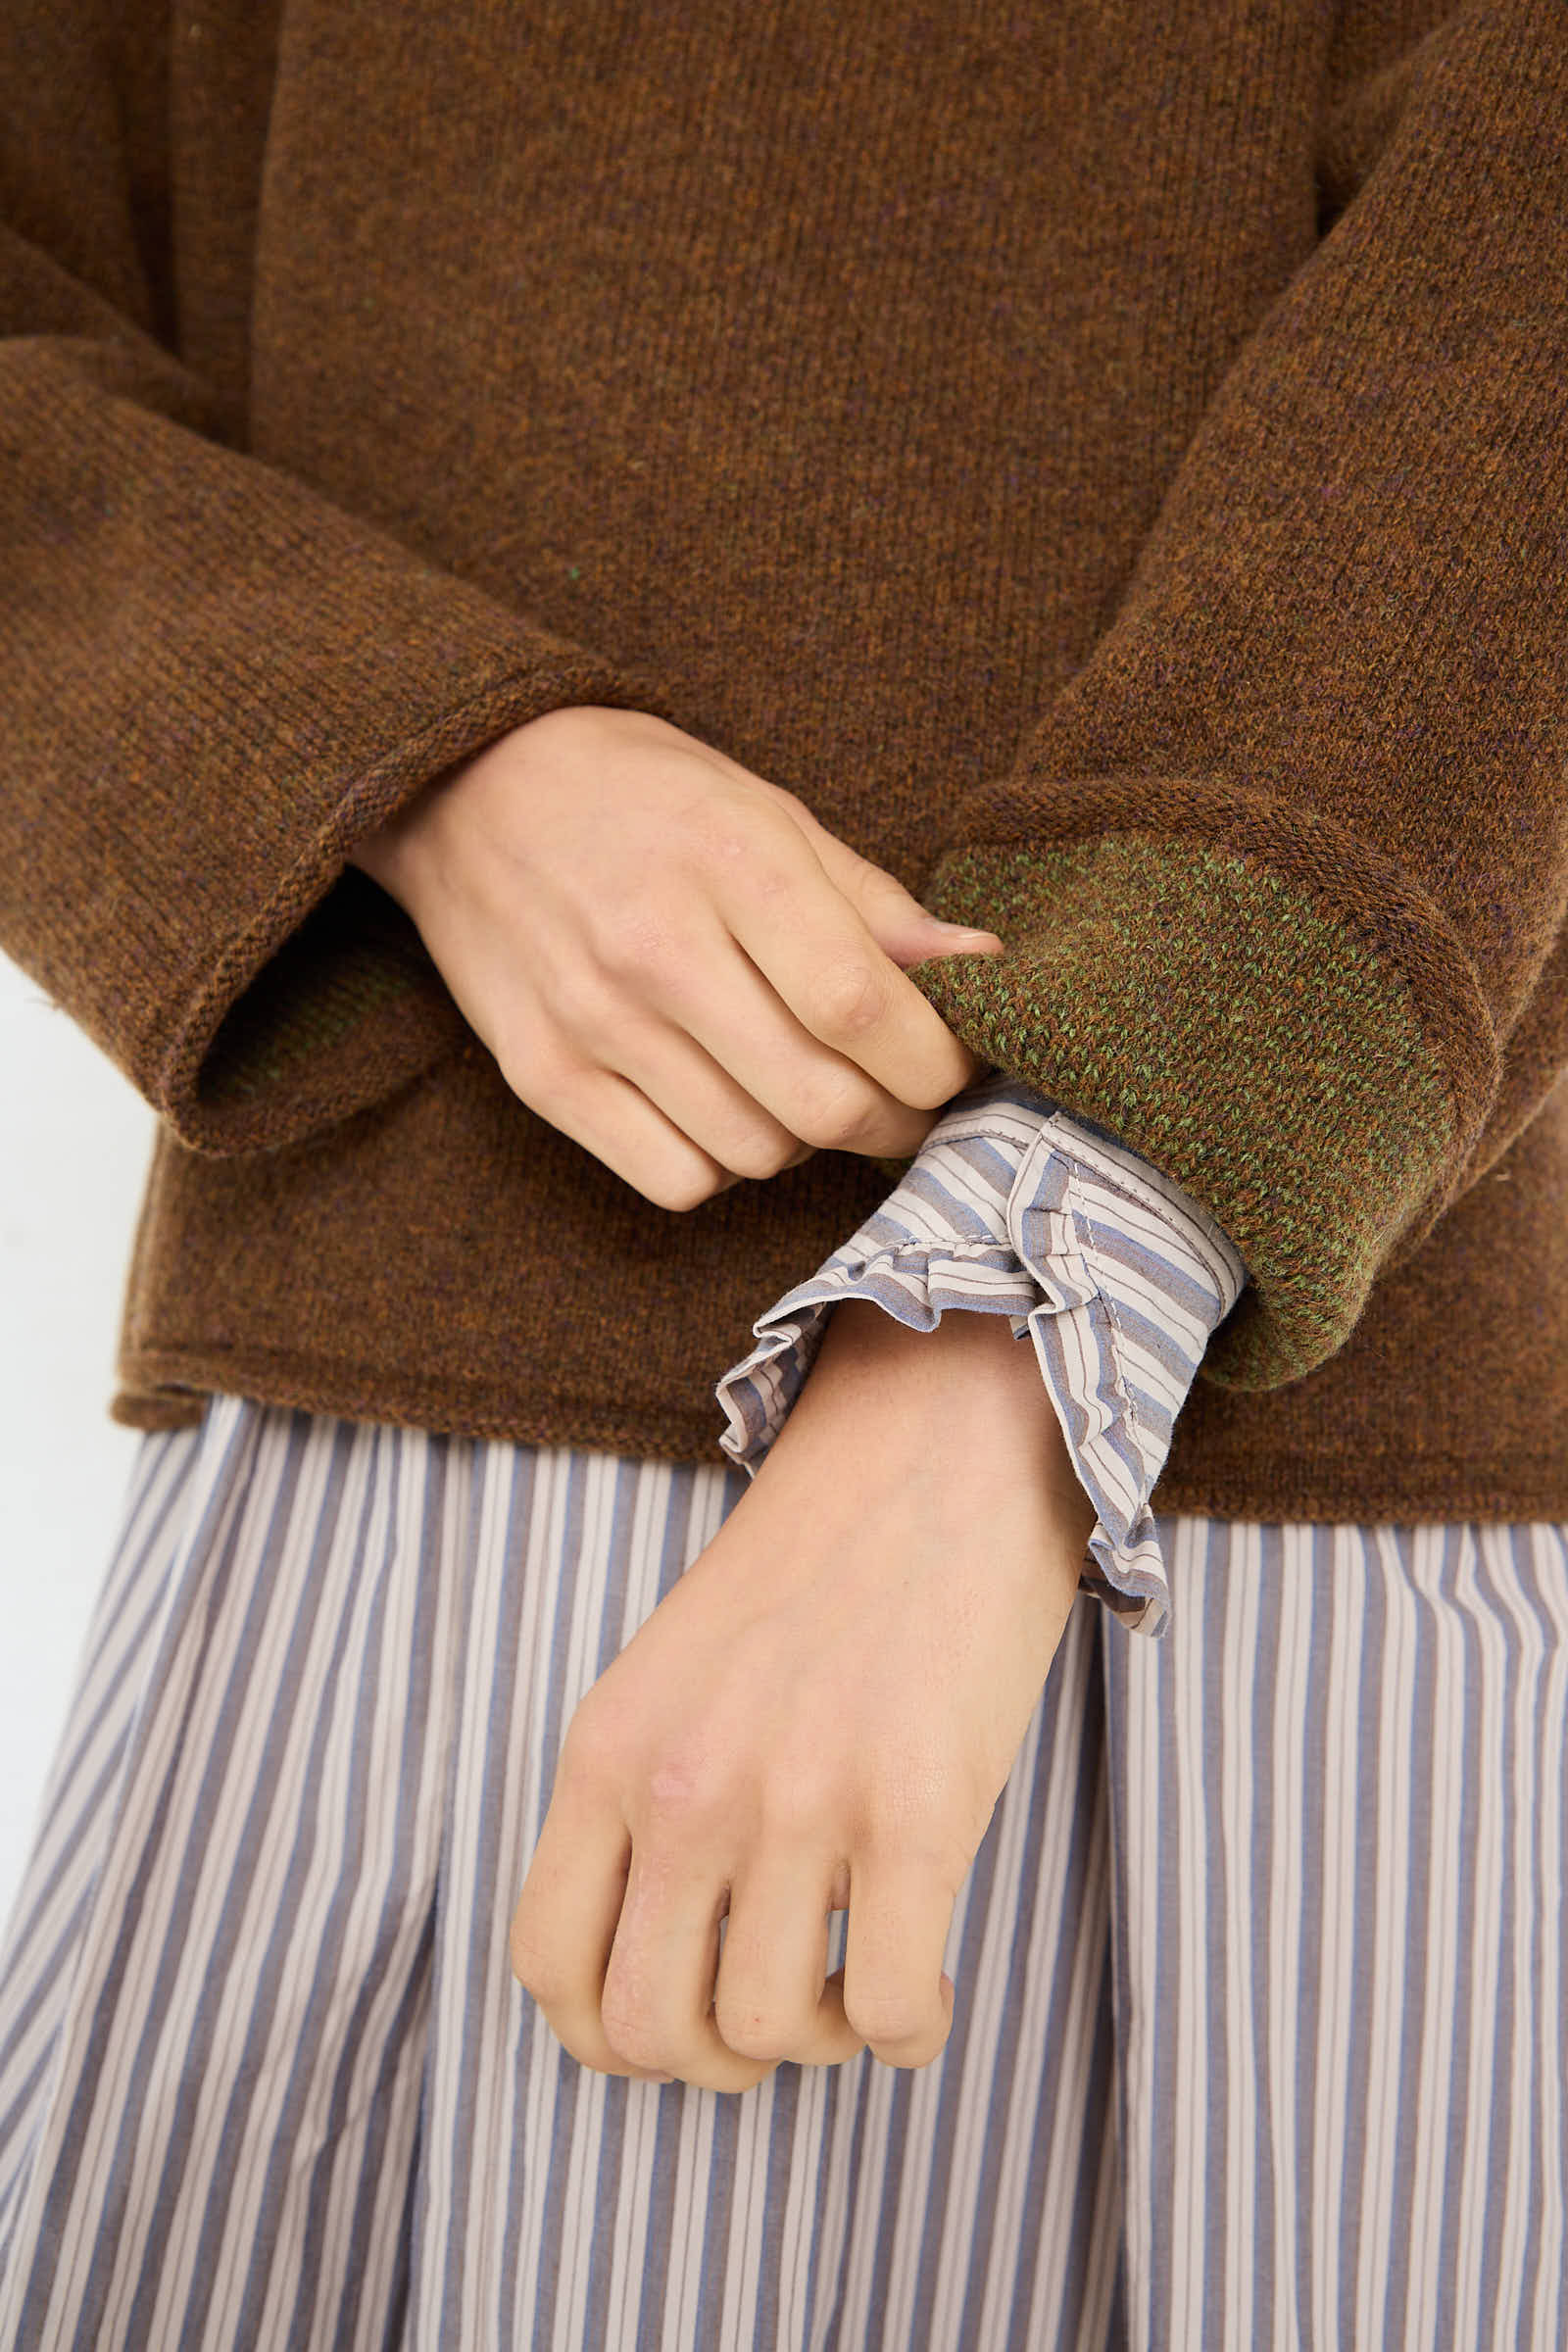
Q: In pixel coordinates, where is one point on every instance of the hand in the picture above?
(823, 1711)
(671, 960)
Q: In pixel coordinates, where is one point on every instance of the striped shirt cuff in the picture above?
(1015, 1206)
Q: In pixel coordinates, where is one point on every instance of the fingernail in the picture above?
(965, 931)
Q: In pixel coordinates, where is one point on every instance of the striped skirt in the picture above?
(1258, 2038)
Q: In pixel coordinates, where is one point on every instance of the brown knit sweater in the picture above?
(1109, 460)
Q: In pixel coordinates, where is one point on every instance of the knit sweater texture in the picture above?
(1109, 460)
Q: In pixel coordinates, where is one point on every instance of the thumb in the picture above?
(902, 927)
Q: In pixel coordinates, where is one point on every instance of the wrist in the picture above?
(376, 855)
(392, 851)
(396, 852)
(967, 1387)
(383, 855)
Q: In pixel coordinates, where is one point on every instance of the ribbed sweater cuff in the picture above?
(1258, 1005)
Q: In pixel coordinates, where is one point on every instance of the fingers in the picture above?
(774, 1998)
(622, 1951)
(695, 1086)
(708, 1058)
(815, 950)
(564, 1927)
(902, 927)
(656, 2005)
(676, 2001)
(738, 1073)
(897, 1995)
(616, 1121)
(700, 1097)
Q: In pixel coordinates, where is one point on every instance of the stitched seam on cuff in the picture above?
(1083, 1237)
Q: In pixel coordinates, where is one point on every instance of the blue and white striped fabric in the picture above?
(1015, 1208)
(1260, 2021)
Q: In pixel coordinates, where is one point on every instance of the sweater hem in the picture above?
(1334, 1489)
(167, 1387)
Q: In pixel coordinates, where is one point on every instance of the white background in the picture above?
(77, 1140)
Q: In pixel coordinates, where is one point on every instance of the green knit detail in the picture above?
(343, 1013)
(276, 1030)
(1238, 1031)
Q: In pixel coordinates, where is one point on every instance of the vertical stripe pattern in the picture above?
(1258, 2037)
(265, 2077)
(1338, 1834)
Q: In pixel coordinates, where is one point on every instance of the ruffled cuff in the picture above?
(1015, 1206)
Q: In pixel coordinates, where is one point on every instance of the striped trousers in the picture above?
(1258, 2038)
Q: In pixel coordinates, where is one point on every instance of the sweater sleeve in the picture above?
(215, 681)
(1281, 873)
(1011, 1207)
